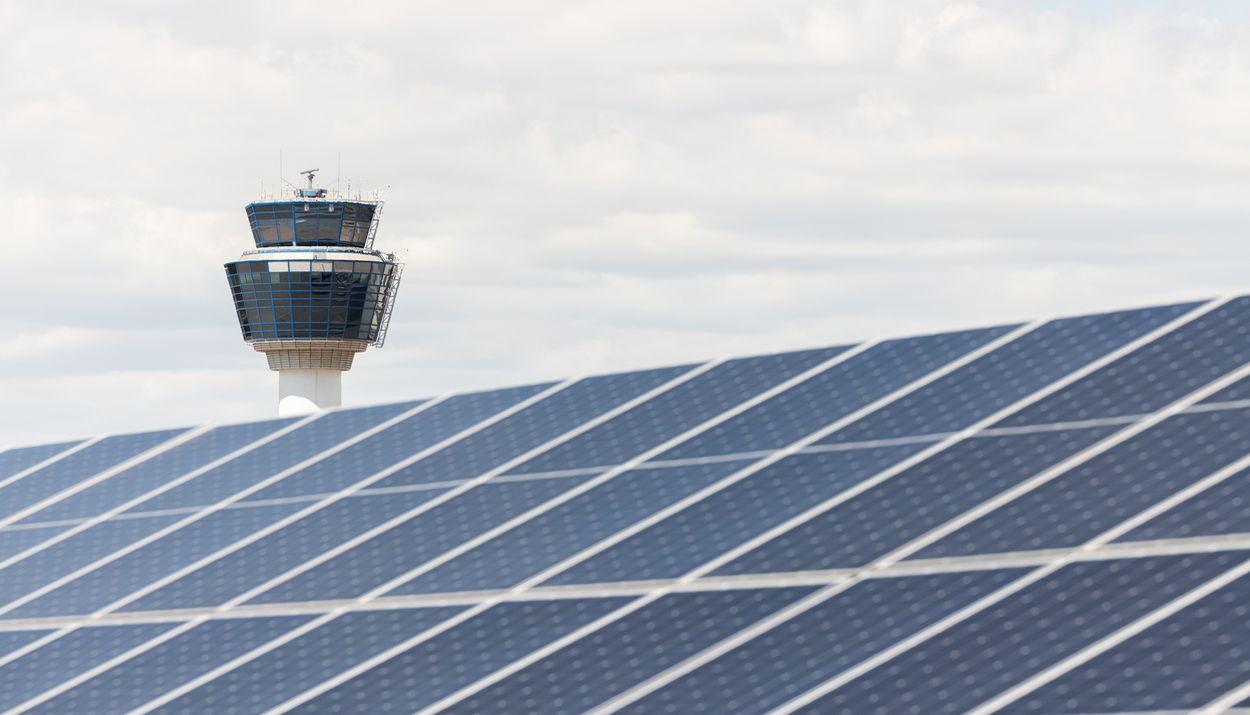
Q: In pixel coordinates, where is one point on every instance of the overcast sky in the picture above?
(582, 187)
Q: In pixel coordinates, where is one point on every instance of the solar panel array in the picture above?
(1041, 518)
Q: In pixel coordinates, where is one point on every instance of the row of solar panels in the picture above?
(818, 525)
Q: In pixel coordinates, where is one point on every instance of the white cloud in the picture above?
(594, 186)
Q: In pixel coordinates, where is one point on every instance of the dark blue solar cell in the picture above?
(307, 661)
(1095, 496)
(67, 472)
(624, 653)
(120, 578)
(42, 568)
(1155, 375)
(540, 423)
(420, 431)
(976, 659)
(1236, 392)
(719, 522)
(170, 664)
(1178, 664)
(152, 473)
(558, 534)
(816, 645)
(626, 436)
(11, 641)
(15, 541)
(1008, 374)
(69, 656)
(914, 501)
(397, 551)
(284, 549)
(17, 459)
(267, 460)
(1218, 510)
(438, 667)
(834, 393)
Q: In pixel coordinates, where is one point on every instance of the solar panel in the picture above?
(1034, 518)
(1181, 663)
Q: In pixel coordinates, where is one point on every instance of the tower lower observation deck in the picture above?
(313, 292)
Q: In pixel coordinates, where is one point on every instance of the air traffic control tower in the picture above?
(313, 292)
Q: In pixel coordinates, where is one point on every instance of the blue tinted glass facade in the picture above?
(312, 223)
(311, 300)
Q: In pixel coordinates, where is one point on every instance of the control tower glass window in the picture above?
(310, 300)
(311, 223)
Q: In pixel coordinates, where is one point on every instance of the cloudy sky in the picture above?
(592, 186)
